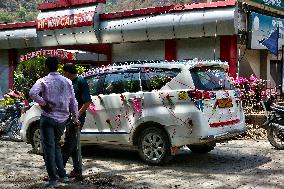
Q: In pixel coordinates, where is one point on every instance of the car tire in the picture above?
(154, 146)
(201, 148)
(35, 139)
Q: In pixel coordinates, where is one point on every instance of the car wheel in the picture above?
(154, 146)
(201, 148)
(35, 139)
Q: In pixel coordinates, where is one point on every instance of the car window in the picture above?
(156, 78)
(93, 83)
(132, 82)
(210, 78)
(121, 82)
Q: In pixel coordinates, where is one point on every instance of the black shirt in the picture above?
(82, 94)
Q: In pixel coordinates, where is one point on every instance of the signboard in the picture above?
(276, 4)
(262, 27)
(66, 18)
(53, 52)
(67, 21)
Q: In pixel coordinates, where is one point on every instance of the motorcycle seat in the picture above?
(278, 109)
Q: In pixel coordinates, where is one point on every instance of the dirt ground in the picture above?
(238, 164)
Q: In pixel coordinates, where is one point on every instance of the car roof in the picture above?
(188, 64)
(182, 64)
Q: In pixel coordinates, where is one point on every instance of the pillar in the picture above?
(229, 53)
(12, 58)
(170, 50)
(264, 65)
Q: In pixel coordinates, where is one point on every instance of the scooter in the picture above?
(274, 123)
(10, 116)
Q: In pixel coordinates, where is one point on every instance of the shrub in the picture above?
(28, 72)
(253, 91)
(80, 69)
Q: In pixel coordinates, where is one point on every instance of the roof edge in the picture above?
(133, 13)
(63, 3)
(18, 25)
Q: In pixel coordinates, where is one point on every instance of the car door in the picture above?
(120, 101)
(115, 107)
(93, 123)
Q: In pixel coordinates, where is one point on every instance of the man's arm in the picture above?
(84, 108)
(86, 97)
(73, 105)
(34, 93)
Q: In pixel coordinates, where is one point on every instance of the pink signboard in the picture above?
(67, 21)
(53, 52)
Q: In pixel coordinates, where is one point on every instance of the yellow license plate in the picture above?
(224, 103)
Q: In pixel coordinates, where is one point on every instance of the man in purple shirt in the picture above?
(55, 95)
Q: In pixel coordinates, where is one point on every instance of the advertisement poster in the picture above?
(262, 27)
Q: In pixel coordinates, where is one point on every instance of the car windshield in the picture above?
(210, 78)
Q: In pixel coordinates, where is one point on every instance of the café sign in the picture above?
(53, 52)
(66, 21)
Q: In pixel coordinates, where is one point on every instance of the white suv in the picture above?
(157, 107)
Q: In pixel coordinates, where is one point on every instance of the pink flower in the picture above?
(253, 78)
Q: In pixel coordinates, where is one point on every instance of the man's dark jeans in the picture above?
(70, 147)
(51, 132)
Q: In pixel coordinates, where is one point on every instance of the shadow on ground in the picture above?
(213, 162)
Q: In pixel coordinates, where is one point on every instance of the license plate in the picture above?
(224, 103)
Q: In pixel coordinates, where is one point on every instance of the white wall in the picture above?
(4, 71)
(250, 62)
(201, 48)
(152, 50)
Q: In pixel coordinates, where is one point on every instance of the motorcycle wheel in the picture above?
(14, 133)
(276, 138)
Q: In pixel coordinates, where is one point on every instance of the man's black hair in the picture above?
(70, 68)
(52, 64)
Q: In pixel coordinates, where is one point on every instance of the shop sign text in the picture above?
(67, 21)
(53, 52)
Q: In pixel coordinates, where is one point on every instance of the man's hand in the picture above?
(77, 124)
(46, 108)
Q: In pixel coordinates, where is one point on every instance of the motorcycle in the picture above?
(274, 123)
(10, 117)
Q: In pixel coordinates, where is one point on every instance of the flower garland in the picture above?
(168, 102)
